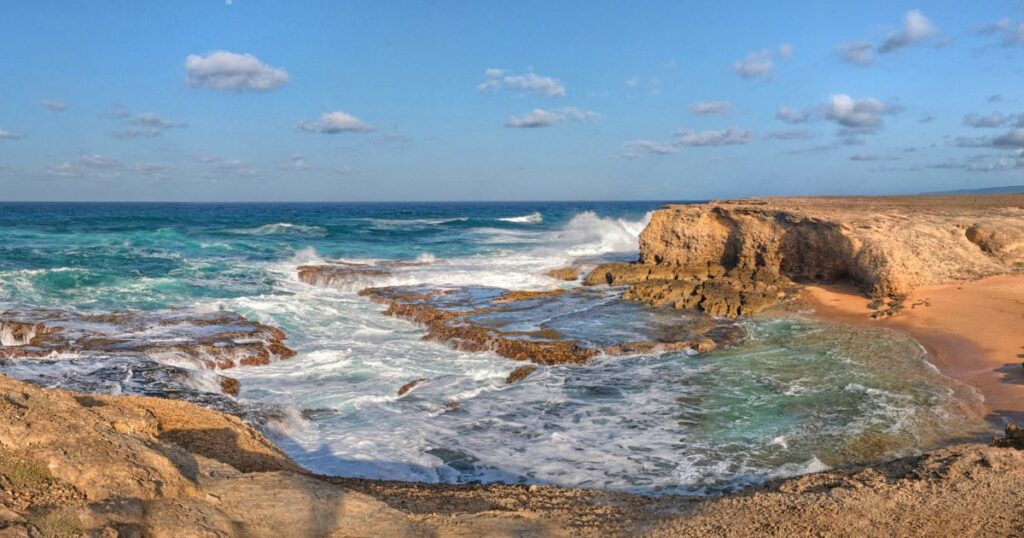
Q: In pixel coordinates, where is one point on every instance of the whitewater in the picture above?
(793, 396)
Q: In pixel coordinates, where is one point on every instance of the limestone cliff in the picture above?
(885, 245)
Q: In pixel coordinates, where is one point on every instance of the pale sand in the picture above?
(973, 332)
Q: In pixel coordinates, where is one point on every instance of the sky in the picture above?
(259, 100)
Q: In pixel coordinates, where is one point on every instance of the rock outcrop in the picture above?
(885, 245)
(208, 339)
(73, 464)
(451, 322)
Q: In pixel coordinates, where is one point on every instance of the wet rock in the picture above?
(229, 385)
(564, 273)
(342, 275)
(451, 322)
(207, 339)
(1012, 438)
(410, 385)
(519, 374)
(512, 296)
(707, 287)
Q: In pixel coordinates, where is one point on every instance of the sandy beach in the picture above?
(973, 332)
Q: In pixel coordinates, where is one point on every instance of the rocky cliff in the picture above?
(885, 245)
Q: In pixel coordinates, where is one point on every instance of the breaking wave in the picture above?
(283, 228)
(532, 218)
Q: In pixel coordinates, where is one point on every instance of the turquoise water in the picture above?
(793, 396)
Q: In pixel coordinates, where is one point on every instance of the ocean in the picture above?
(793, 395)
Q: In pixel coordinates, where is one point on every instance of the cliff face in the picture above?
(888, 246)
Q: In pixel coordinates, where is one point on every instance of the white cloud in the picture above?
(859, 115)
(119, 112)
(863, 157)
(228, 71)
(296, 162)
(789, 134)
(761, 63)
(710, 107)
(498, 79)
(215, 167)
(144, 125)
(7, 135)
(90, 165)
(1011, 33)
(857, 53)
(995, 119)
(546, 118)
(983, 163)
(916, 28)
(756, 64)
(53, 105)
(156, 170)
(726, 137)
(634, 149)
(791, 115)
(336, 122)
(1011, 140)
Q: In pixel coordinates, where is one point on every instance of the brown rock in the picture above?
(564, 273)
(887, 245)
(212, 340)
(520, 374)
(229, 385)
(512, 296)
(1013, 438)
(410, 385)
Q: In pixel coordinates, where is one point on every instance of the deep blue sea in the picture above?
(794, 396)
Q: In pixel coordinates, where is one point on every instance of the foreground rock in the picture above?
(736, 257)
(73, 464)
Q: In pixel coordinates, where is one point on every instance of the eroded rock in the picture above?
(564, 273)
(207, 339)
(410, 385)
(707, 287)
(456, 322)
(519, 374)
(886, 245)
(1013, 437)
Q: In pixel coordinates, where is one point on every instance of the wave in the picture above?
(532, 218)
(588, 234)
(417, 222)
(283, 228)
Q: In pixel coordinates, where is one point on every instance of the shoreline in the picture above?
(972, 331)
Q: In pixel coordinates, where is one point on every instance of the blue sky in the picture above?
(314, 101)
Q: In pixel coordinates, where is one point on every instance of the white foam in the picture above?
(284, 228)
(532, 218)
